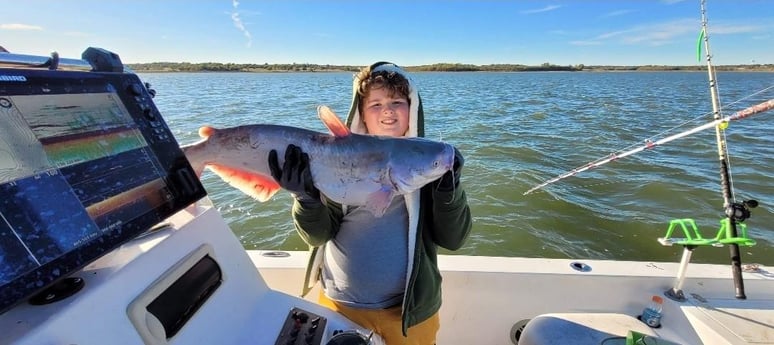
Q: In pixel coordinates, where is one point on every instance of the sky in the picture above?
(409, 33)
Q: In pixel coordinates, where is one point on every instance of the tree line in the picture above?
(438, 67)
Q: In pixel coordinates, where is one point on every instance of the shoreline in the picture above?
(209, 67)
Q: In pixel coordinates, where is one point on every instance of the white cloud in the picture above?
(586, 43)
(614, 34)
(665, 33)
(761, 37)
(654, 35)
(20, 27)
(723, 29)
(616, 13)
(239, 25)
(540, 10)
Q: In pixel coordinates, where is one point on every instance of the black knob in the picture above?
(135, 89)
(149, 114)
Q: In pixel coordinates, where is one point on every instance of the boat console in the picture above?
(106, 233)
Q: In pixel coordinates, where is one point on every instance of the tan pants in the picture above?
(387, 323)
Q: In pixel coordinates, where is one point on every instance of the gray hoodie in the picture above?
(446, 223)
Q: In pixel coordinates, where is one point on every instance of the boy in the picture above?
(382, 272)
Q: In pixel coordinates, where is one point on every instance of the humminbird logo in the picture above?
(12, 78)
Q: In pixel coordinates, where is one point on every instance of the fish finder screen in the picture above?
(71, 168)
(84, 167)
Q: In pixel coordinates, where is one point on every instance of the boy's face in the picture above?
(384, 114)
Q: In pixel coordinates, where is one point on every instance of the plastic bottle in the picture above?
(651, 315)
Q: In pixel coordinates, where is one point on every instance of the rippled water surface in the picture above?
(517, 130)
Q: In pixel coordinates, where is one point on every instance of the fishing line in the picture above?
(609, 181)
(699, 118)
(719, 123)
(725, 147)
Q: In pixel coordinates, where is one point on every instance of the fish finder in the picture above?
(87, 163)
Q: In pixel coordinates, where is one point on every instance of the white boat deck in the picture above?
(484, 297)
(487, 300)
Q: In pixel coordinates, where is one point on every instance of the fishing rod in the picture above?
(725, 179)
(650, 144)
(735, 212)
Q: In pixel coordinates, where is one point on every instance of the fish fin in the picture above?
(258, 186)
(206, 131)
(334, 124)
(379, 201)
(190, 153)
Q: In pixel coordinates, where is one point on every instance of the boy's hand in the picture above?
(451, 179)
(295, 175)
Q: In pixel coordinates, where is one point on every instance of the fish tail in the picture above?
(194, 154)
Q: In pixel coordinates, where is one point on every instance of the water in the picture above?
(517, 130)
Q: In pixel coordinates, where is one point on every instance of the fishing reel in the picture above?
(739, 211)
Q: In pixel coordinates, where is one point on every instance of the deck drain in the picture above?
(275, 254)
(516, 331)
(580, 267)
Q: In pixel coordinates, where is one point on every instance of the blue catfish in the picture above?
(348, 168)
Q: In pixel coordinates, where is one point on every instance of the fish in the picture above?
(348, 168)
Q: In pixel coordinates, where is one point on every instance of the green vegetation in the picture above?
(455, 67)
(233, 67)
(439, 67)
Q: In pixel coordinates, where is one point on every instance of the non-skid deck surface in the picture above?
(751, 321)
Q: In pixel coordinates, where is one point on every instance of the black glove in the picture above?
(451, 179)
(295, 175)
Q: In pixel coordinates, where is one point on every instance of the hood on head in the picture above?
(416, 115)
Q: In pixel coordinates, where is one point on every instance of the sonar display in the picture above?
(72, 167)
(87, 163)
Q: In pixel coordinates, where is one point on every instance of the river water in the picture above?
(517, 130)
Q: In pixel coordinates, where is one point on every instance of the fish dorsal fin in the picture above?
(332, 121)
